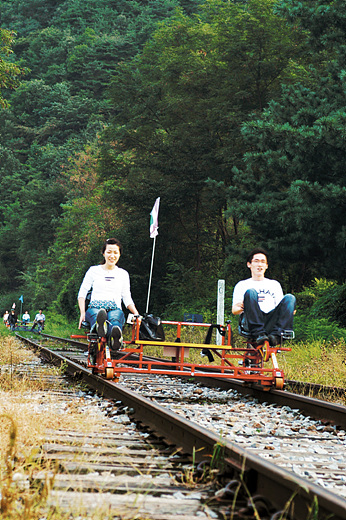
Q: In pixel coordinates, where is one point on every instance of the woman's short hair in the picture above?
(112, 241)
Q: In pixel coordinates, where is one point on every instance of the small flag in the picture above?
(154, 219)
(21, 299)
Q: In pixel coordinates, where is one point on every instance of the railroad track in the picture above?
(115, 466)
(273, 485)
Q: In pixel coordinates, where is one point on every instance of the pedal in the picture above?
(288, 334)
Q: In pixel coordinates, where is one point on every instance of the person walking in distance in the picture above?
(12, 319)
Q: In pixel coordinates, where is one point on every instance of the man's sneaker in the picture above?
(261, 338)
(101, 326)
(274, 340)
(116, 339)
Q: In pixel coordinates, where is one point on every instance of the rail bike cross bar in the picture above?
(244, 363)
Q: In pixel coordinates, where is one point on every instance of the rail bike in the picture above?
(251, 363)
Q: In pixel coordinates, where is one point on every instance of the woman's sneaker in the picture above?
(101, 326)
(116, 339)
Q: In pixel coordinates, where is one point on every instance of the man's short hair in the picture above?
(256, 251)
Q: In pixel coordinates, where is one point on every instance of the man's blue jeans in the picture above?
(114, 317)
(254, 321)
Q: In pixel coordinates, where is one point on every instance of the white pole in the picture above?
(220, 308)
(151, 272)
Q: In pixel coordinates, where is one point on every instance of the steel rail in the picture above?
(70, 341)
(261, 477)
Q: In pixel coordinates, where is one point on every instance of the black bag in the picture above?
(206, 351)
(88, 298)
(151, 329)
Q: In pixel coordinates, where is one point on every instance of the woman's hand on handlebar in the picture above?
(81, 319)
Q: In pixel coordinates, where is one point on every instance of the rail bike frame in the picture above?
(246, 363)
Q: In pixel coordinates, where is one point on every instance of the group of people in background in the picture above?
(11, 319)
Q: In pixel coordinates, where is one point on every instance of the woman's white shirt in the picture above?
(107, 284)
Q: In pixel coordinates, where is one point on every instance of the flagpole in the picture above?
(153, 232)
(151, 272)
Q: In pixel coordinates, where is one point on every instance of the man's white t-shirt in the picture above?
(269, 292)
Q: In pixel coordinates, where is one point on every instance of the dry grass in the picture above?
(26, 413)
(12, 352)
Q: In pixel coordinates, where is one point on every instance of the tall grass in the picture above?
(317, 361)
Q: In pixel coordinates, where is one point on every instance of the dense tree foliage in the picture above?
(9, 72)
(71, 50)
(179, 109)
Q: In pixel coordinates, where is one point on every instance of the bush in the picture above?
(324, 299)
(332, 304)
(190, 291)
(307, 328)
(312, 293)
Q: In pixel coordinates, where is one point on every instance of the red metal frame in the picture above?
(232, 361)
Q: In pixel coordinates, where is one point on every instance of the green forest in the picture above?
(233, 112)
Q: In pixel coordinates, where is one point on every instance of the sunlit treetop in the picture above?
(9, 71)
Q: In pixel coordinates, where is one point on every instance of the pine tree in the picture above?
(291, 189)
